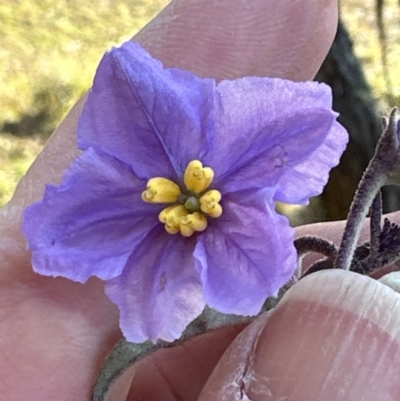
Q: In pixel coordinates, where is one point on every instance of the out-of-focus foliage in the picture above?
(16, 155)
(361, 19)
(49, 51)
(48, 55)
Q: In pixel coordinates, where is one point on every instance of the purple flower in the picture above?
(172, 202)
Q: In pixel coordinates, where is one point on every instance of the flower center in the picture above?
(189, 209)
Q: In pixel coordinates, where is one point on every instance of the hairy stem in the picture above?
(384, 162)
(375, 225)
(308, 244)
(125, 354)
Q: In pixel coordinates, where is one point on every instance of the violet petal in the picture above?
(159, 292)
(265, 127)
(153, 119)
(91, 223)
(308, 178)
(246, 255)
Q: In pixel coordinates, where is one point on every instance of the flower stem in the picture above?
(370, 184)
(322, 264)
(125, 353)
(383, 163)
(375, 225)
(310, 243)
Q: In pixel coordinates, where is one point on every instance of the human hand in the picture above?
(55, 333)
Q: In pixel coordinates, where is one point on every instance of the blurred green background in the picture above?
(50, 49)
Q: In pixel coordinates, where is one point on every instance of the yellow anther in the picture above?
(198, 178)
(209, 203)
(189, 210)
(191, 223)
(171, 216)
(161, 190)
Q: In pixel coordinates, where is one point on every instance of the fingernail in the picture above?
(334, 336)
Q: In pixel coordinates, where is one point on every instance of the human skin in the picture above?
(333, 337)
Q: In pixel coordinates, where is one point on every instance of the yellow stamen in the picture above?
(161, 190)
(189, 210)
(191, 223)
(198, 178)
(209, 203)
(171, 217)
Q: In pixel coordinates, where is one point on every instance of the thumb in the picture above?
(334, 336)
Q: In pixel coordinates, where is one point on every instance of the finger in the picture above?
(175, 373)
(226, 39)
(222, 39)
(334, 336)
(181, 372)
(54, 335)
